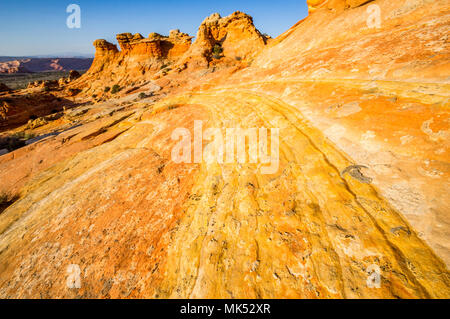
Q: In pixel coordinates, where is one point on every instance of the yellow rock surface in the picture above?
(361, 185)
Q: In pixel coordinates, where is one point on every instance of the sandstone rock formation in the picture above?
(138, 56)
(236, 34)
(155, 46)
(18, 109)
(361, 186)
(141, 59)
(46, 85)
(73, 75)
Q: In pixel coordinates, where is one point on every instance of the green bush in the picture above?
(23, 136)
(142, 95)
(29, 136)
(116, 88)
(217, 51)
(107, 89)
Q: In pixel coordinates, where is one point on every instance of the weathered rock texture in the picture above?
(137, 58)
(141, 59)
(362, 184)
(235, 34)
(335, 5)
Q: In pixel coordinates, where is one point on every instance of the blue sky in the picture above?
(38, 27)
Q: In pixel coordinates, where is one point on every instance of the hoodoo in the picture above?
(141, 59)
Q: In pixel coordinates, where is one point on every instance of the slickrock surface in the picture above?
(335, 5)
(362, 179)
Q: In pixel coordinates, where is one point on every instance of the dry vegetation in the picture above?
(21, 80)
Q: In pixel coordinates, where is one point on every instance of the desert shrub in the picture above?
(3, 198)
(29, 136)
(217, 51)
(142, 95)
(116, 88)
(73, 91)
(107, 89)
(23, 136)
(15, 141)
(166, 66)
(33, 117)
(6, 201)
(12, 143)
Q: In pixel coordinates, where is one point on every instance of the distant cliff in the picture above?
(31, 65)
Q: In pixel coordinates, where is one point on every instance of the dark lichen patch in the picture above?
(6, 201)
(355, 172)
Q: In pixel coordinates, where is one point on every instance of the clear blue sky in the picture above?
(38, 27)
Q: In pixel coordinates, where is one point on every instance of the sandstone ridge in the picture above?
(227, 41)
